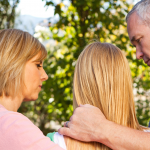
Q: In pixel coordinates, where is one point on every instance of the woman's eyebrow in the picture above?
(39, 61)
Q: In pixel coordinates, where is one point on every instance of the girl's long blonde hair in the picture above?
(102, 78)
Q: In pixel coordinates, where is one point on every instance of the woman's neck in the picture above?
(11, 104)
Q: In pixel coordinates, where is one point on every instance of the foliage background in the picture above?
(79, 23)
(8, 13)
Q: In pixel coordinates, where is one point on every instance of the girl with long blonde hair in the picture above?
(102, 78)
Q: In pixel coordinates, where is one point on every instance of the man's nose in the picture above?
(139, 53)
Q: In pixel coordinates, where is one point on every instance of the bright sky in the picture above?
(35, 8)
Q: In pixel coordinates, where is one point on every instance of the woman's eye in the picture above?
(39, 65)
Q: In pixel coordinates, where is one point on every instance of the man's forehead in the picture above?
(134, 25)
(135, 18)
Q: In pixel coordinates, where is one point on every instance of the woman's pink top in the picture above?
(17, 132)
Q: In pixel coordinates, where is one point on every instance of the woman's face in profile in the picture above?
(34, 75)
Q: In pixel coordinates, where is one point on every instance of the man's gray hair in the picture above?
(142, 8)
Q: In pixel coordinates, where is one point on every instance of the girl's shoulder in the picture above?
(58, 139)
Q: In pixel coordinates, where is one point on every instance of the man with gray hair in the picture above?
(83, 126)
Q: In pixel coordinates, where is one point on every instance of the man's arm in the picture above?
(89, 124)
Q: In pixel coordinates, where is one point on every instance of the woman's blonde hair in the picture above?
(102, 78)
(16, 48)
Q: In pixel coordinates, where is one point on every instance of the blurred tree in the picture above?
(7, 13)
(79, 23)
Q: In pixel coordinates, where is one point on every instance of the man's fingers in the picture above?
(64, 131)
(67, 132)
(66, 124)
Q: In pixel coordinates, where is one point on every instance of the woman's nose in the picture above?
(44, 75)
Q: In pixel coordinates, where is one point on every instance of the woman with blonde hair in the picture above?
(102, 78)
(21, 77)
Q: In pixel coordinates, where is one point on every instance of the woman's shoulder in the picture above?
(11, 116)
(21, 133)
(58, 139)
(15, 123)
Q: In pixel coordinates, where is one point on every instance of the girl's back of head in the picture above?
(102, 78)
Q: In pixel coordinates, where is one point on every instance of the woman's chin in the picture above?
(30, 99)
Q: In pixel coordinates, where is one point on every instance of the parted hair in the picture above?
(142, 8)
(16, 48)
(102, 78)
